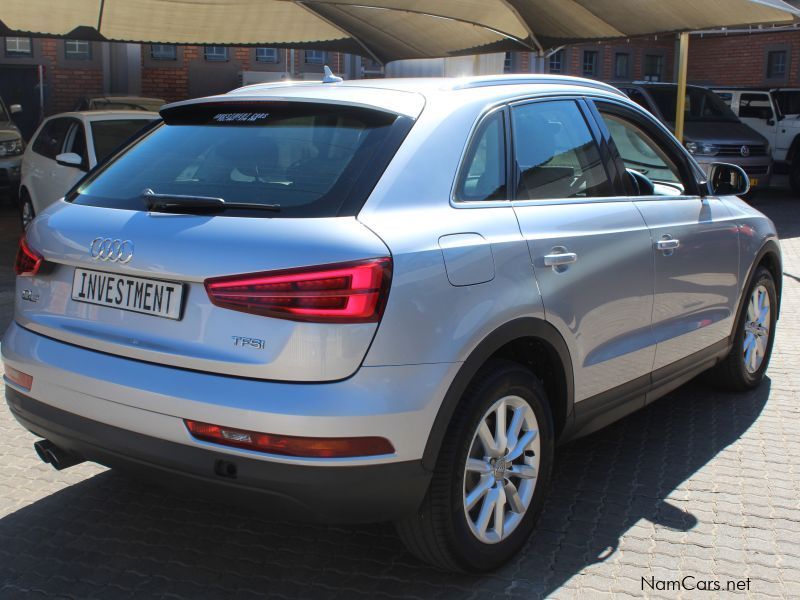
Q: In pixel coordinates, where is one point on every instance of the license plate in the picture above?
(136, 294)
(753, 182)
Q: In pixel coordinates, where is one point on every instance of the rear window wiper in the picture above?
(177, 203)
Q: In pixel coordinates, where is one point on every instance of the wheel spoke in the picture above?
(521, 445)
(522, 471)
(514, 501)
(500, 512)
(515, 426)
(476, 465)
(478, 492)
(487, 440)
(500, 439)
(487, 510)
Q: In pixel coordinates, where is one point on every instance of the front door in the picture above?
(591, 252)
(695, 240)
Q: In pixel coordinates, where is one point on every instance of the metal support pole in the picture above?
(683, 67)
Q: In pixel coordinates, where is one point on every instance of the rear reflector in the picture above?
(19, 378)
(290, 445)
(353, 292)
(28, 260)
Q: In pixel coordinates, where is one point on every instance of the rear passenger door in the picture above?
(591, 251)
(695, 239)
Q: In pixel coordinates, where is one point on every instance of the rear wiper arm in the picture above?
(177, 203)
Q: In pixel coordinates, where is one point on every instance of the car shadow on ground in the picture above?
(110, 532)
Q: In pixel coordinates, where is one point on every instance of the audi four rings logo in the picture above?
(120, 251)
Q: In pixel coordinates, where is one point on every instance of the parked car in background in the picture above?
(385, 299)
(775, 114)
(712, 132)
(120, 103)
(11, 148)
(65, 147)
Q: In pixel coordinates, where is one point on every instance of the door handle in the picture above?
(668, 244)
(561, 259)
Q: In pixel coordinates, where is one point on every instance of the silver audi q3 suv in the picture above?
(385, 300)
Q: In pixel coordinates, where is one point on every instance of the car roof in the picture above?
(118, 98)
(407, 96)
(107, 115)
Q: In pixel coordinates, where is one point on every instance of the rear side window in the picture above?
(110, 135)
(51, 138)
(755, 106)
(484, 174)
(557, 156)
(311, 160)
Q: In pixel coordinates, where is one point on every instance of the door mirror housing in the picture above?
(15, 108)
(727, 180)
(69, 159)
(770, 122)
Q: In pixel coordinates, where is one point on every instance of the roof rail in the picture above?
(492, 80)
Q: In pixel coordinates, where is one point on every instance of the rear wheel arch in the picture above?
(768, 257)
(532, 342)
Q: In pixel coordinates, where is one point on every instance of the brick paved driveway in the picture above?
(700, 483)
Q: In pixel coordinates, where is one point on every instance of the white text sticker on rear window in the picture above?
(240, 117)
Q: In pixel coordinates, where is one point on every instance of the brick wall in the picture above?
(636, 49)
(69, 83)
(741, 59)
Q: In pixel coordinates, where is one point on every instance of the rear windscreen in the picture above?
(309, 159)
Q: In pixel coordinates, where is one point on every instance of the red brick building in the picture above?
(57, 73)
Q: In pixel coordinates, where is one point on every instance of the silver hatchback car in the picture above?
(385, 300)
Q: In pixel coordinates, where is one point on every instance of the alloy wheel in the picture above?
(501, 470)
(757, 329)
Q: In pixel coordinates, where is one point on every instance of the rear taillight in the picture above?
(353, 292)
(288, 445)
(28, 260)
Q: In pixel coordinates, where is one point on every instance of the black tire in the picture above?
(25, 204)
(732, 374)
(438, 533)
(794, 175)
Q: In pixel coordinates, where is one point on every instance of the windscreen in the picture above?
(701, 105)
(788, 102)
(305, 159)
(110, 135)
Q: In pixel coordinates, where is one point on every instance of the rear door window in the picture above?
(311, 160)
(755, 106)
(556, 153)
(484, 174)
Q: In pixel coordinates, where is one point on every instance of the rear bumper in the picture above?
(369, 493)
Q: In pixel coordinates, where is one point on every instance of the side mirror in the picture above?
(728, 180)
(15, 108)
(69, 159)
(770, 122)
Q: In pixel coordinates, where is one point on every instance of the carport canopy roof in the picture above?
(384, 29)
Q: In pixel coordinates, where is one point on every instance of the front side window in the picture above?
(215, 53)
(653, 67)
(76, 142)
(484, 174)
(556, 154)
(788, 101)
(642, 154)
(107, 136)
(622, 65)
(314, 57)
(306, 160)
(556, 62)
(50, 141)
(755, 106)
(18, 47)
(267, 55)
(77, 50)
(590, 63)
(163, 52)
(776, 64)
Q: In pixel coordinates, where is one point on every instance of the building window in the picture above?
(77, 50)
(622, 65)
(163, 52)
(215, 53)
(590, 63)
(19, 46)
(776, 64)
(653, 67)
(508, 63)
(555, 63)
(267, 55)
(314, 57)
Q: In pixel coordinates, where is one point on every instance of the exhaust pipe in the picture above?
(53, 455)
